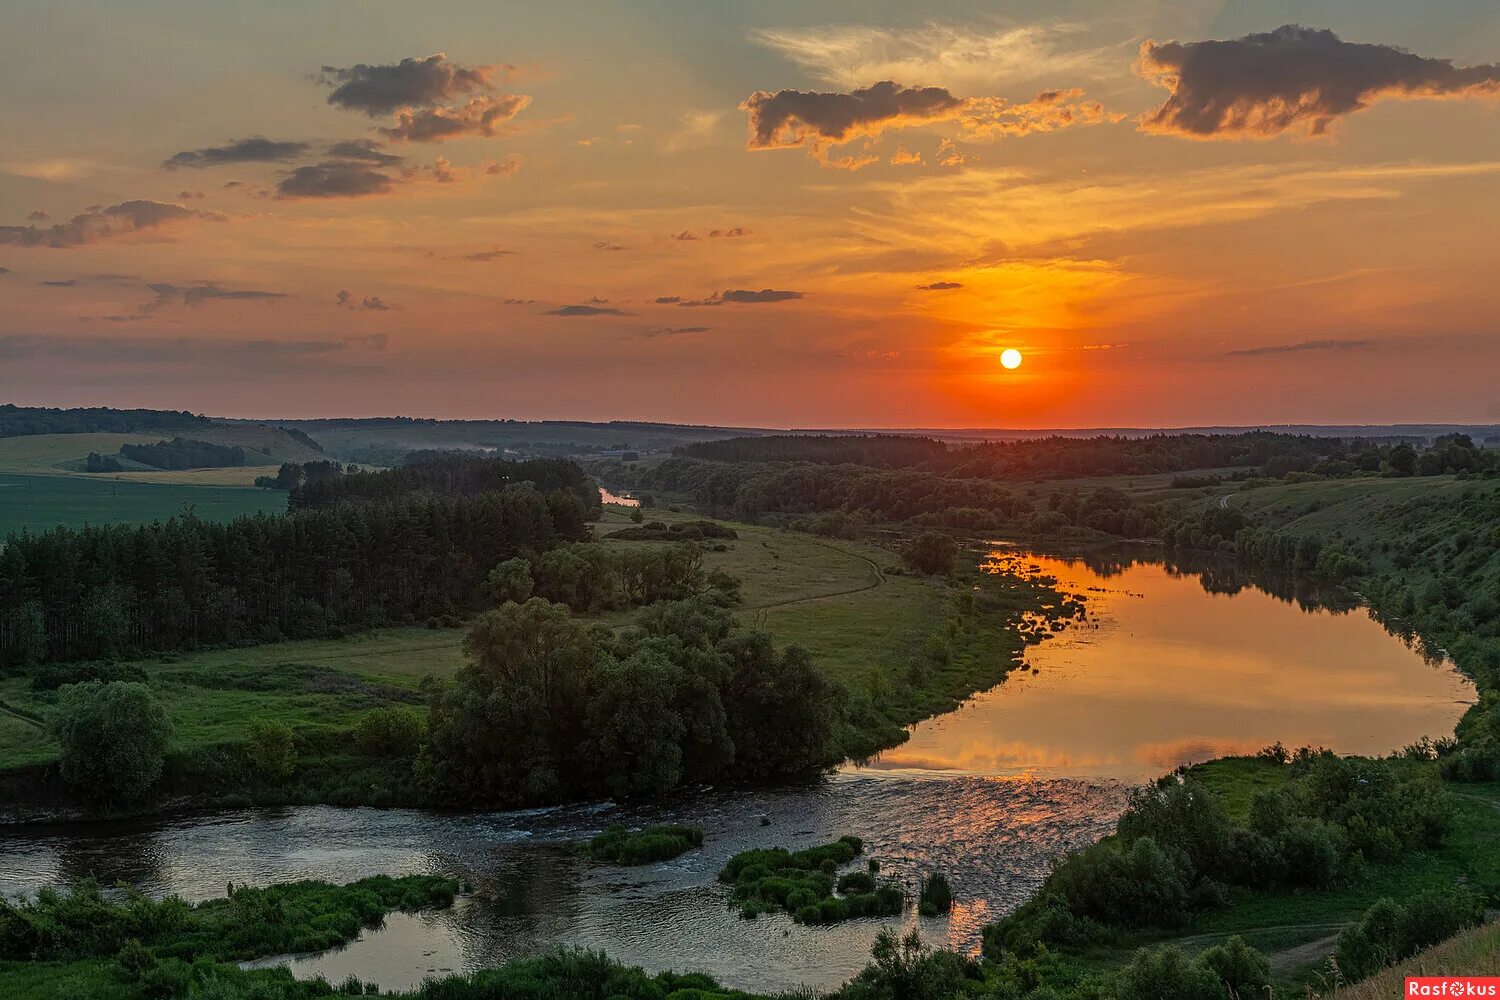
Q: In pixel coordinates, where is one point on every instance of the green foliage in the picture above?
(390, 732)
(511, 580)
(113, 738)
(549, 709)
(932, 553)
(802, 883)
(936, 896)
(1243, 971)
(620, 846)
(906, 969)
(1165, 973)
(270, 746)
(1390, 931)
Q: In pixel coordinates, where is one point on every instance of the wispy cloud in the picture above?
(101, 224)
(257, 149)
(1306, 345)
(585, 310)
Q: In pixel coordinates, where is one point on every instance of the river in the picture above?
(1173, 664)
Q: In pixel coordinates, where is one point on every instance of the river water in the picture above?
(1172, 665)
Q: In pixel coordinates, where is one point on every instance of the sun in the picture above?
(1010, 358)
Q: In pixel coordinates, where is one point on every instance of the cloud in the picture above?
(606, 245)
(673, 331)
(963, 56)
(257, 149)
(189, 195)
(482, 115)
(37, 216)
(685, 236)
(818, 122)
(764, 295)
(735, 232)
(696, 129)
(939, 286)
(5, 270)
(364, 151)
(381, 89)
(1291, 79)
(1306, 345)
(370, 303)
(504, 167)
(738, 296)
(64, 283)
(586, 311)
(484, 256)
(100, 224)
(949, 155)
(50, 170)
(904, 157)
(335, 179)
(192, 296)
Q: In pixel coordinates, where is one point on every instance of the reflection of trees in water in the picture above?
(528, 897)
(103, 853)
(1217, 574)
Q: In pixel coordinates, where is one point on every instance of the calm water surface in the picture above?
(1169, 667)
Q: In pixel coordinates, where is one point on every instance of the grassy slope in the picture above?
(63, 454)
(1475, 953)
(41, 502)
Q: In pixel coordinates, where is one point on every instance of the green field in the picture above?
(41, 502)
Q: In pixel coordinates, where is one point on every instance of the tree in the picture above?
(1402, 460)
(783, 714)
(511, 580)
(932, 553)
(114, 739)
(270, 746)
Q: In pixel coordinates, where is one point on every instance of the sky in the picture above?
(809, 214)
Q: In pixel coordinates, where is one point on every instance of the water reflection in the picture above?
(606, 496)
(1183, 661)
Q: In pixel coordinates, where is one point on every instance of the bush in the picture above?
(1243, 971)
(1389, 932)
(1144, 886)
(270, 746)
(113, 739)
(936, 895)
(657, 843)
(1166, 974)
(932, 553)
(389, 732)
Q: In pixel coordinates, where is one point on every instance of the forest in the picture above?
(20, 421)
(182, 453)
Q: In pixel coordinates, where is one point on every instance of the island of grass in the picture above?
(620, 846)
(803, 883)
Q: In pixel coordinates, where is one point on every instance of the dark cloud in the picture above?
(37, 216)
(365, 151)
(1297, 78)
(194, 295)
(518, 302)
(606, 245)
(797, 118)
(764, 295)
(939, 286)
(586, 311)
(482, 115)
(673, 331)
(487, 255)
(66, 283)
(685, 235)
(667, 300)
(256, 149)
(189, 195)
(381, 89)
(4, 270)
(98, 224)
(335, 179)
(504, 167)
(728, 234)
(1306, 345)
(370, 303)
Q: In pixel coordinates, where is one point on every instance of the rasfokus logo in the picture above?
(1453, 986)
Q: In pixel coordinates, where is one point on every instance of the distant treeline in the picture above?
(20, 421)
(121, 589)
(182, 453)
(446, 475)
(886, 451)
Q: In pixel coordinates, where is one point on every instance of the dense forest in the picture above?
(447, 474)
(886, 451)
(183, 453)
(116, 589)
(20, 421)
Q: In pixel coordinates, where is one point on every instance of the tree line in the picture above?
(184, 453)
(22, 421)
(109, 590)
(448, 474)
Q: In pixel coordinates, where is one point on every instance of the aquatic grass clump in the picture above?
(936, 895)
(620, 846)
(802, 883)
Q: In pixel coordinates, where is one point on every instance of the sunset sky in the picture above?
(774, 214)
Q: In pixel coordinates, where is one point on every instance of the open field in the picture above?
(64, 454)
(41, 502)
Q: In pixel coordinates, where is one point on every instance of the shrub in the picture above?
(932, 553)
(113, 739)
(657, 843)
(1165, 972)
(270, 746)
(1243, 971)
(389, 732)
(936, 895)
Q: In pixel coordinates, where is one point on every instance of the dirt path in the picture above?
(879, 579)
(1297, 956)
(13, 713)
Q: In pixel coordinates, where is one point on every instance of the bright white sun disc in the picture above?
(1010, 358)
